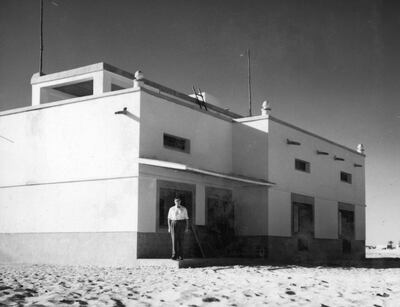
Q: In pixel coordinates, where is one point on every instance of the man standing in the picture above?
(178, 224)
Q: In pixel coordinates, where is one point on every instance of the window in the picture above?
(177, 143)
(301, 165)
(167, 190)
(345, 177)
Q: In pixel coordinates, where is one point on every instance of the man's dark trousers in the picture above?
(177, 234)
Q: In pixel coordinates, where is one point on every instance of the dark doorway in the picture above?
(303, 225)
(220, 218)
(346, 229)
(220, 213)
(167, 191)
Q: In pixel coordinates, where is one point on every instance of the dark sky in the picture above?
(331, 67)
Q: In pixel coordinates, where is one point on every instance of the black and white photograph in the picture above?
(199, 153)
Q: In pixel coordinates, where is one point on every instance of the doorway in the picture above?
(303, 224)
(167, 191)
(220, 222)
(346, 229)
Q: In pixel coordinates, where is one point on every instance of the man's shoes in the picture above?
(173, 258)
(180, 258)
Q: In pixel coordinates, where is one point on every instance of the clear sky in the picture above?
(330, 67)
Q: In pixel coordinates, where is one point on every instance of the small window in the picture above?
(177, 143)
(345, 177)
(301, 165)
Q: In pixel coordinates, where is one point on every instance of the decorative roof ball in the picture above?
(361, 148)
(139, 75)
(265, 108)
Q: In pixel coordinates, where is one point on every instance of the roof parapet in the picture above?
(188, 98)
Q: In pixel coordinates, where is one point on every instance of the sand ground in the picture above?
(50, 285)
(382, 253)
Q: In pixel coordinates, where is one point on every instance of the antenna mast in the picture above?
(249, 78)
(41, 39)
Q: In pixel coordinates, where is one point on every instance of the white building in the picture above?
(89, 171)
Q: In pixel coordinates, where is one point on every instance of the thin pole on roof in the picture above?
(249, 79)
(41, 39)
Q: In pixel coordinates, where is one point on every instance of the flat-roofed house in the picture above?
(89, 171)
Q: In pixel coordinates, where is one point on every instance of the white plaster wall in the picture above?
(210, 137)
(83, 140)
(250, 148)
(324, 179)
(106, 205)
(359, 212)
(213, 147)
(323, 183)
(279, 213)
(147, 205)
(71, 167)
(70, 248)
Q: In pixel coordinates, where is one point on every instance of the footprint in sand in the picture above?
(210, 299)
(118, 303)
(67, 301)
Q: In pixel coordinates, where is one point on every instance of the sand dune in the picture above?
(49, 285)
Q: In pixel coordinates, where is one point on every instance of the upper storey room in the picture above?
(79, 82)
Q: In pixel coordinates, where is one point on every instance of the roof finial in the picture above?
(266, 108)
(361, 148)
(138, 81)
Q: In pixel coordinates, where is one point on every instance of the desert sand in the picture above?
(49, 285)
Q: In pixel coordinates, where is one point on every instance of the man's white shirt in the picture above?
(178, 213)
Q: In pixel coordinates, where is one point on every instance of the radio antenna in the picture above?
(41, 40)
